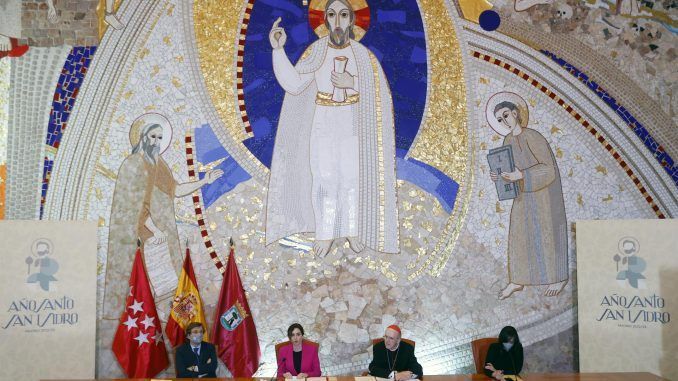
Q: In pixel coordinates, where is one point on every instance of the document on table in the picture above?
(365, 378)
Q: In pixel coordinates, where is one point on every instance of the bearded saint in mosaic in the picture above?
(143, 207)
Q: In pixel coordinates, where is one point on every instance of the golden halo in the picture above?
(316, 17)
(151, 118)
(506, 96)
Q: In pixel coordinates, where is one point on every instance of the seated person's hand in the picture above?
(287, 375)
(404, 375)
(302, 375)
(496, 374)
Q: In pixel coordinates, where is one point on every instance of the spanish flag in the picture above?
(186, 306)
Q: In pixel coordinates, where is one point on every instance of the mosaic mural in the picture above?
(639, 36)
(419, 168)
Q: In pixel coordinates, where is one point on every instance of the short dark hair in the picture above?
(291, 329)
(195, 324)
(507, 333)
(511, 106)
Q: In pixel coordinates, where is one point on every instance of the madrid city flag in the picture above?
(186, 306)
(234, 332)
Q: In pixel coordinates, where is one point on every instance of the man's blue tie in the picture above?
(195, 350)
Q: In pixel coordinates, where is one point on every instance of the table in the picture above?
(461, 377)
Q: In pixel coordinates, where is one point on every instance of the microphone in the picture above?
(284, 361)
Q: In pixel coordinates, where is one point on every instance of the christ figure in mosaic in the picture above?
(333, 167)
(537, 242)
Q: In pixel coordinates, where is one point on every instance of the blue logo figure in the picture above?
(628, 256)
(47, 267)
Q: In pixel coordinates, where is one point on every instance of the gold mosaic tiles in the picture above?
(217, 35)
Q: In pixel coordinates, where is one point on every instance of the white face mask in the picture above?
(196, 338)
(507, 346)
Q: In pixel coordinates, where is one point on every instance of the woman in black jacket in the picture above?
(504, 357)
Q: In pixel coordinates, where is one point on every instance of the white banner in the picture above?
(627, 285)
(48, 299)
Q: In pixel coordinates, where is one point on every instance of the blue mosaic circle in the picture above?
(489, 20)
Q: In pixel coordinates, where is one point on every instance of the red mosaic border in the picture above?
(592, 130)
(197, 205)
(239, 68)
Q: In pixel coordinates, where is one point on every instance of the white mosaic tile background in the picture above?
(33, 78)
(5, 68)
(343, 300)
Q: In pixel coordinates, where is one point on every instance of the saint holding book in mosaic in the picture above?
(537, 242)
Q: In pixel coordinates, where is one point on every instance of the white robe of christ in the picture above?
(333, 168)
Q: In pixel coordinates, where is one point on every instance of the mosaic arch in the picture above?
(458, 274)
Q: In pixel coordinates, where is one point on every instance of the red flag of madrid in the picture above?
(234, 332)
(138, 344)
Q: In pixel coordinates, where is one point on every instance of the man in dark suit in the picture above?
(195, 358)
(394, 358)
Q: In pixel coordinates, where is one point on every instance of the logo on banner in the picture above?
(232, 318)
(632, 265)
(41, 265)
(629, 310)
